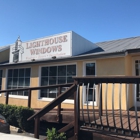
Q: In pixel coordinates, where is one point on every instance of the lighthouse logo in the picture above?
(17, 50)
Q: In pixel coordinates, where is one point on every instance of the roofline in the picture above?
(89, 56)
(5, 48)
(136, 50)
(80, 57)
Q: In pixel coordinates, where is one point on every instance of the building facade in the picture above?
(56, 59)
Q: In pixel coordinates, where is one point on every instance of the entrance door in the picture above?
(137, 73)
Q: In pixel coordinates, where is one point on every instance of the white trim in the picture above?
(6, 80)
(1, 80)
(50, 99)
(84, 67)
(71, 43)
(133, 73)
(39, 81)
(18, 96)
(84, 88)
(84, 96)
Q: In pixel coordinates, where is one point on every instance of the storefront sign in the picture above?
(49, 47)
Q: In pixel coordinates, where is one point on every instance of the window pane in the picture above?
(69, 80)
(53, 71)
(61, 70)
(90, 95)
(52, 95)
(90, 68)
(44, 71)
(9, 87)
(14, 93)
(25, 93)
(56, 75)
(0, 79)
(44, 81)
(9, 82)
(52, 80)
(71, 70)
(10, 73)
(27, 72)
(15, 81)
(52, 92)
(44, 93)
(21, 72)
(21, 82)
(20, 93)
(61, 80)
(27, 81)
(0, 73)
(15, 73)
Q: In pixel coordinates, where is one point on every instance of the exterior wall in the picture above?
(108, 66)
(2, 97)
(112, 66)
(128, 72)
(4, 56)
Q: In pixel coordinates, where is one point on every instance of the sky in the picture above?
(95, 20)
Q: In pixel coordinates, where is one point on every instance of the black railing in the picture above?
(113, 118)
(72, 90)
(30, 89)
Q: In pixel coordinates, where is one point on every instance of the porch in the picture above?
(111, 116)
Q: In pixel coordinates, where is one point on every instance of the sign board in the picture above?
(45, 48)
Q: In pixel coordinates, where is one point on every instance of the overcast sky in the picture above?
(96, 20)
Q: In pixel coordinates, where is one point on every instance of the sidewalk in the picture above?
(25, 134)
(4, 136)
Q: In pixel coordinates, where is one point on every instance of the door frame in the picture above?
(133, 73)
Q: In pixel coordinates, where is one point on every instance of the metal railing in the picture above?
(30, 89)
(100, 117)
(114, 118)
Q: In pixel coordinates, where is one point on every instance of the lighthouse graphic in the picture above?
(17, 50)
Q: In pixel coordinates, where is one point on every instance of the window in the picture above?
(53, 75)
(0, 79)
(18, 78)
(89, 70)
(137, 73)
(88, 97)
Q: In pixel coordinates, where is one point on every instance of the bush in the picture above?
(17, 116)
(54, 135)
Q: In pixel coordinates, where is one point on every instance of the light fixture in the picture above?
(53, 57)
(32, 59)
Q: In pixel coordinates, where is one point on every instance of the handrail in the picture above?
(55, 102)
(71, 90)
(107, 79)
(30, 90)
(36, 88)
(116, 92)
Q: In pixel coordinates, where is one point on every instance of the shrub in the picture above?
(54, 135)
(17, 116)
(23, 113)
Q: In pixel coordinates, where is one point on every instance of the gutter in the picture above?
(73, 58)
